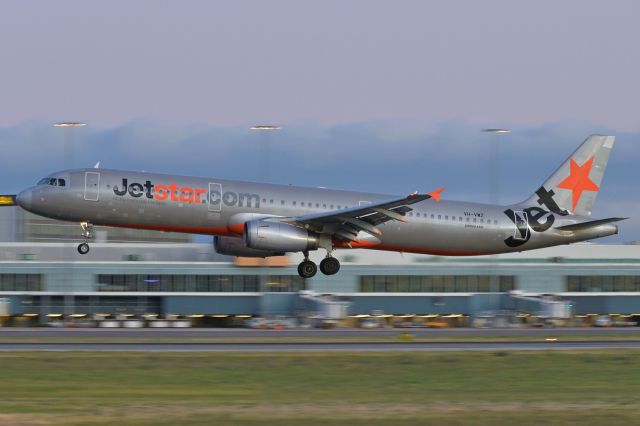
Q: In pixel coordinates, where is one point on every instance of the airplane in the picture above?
(261, 220)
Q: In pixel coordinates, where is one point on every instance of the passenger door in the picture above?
(214, 203)
(91, 186)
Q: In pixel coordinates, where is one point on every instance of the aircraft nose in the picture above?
(24, 199)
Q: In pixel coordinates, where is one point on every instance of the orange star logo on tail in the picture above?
(578, 180)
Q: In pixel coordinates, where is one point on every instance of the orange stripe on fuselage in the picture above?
(420, 250)
(238, 230)
(229, 231)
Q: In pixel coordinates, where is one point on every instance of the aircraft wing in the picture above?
(345, 224)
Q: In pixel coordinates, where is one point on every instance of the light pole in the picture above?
(69, 140)
(494, 163)
(494, 198)
(265, 131)
(68, 128)
(265, 148)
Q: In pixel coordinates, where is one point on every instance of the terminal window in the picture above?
(284, 283)
(94, 304)
(436, 283)
(20, 282)
(175, 283)
(199, 283)
(597, 283)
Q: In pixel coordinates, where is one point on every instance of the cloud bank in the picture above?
(387, 156)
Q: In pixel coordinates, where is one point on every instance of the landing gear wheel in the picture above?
(329, 266)
(83, 248)
(307, 269)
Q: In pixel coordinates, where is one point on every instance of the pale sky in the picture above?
(236, 62)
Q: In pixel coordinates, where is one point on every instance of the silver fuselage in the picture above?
(221, 207)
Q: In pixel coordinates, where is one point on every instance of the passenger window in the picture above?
(282, 202)
(294, 203)
(270, 201)
(468, 219)
(432, 216)
(475, 220)
(453, 218)
(302, 203)
(460, 218)
(439, 216)
(317, 204)
(324, 206)
(331, 206)
(495, 222)
(446, 217)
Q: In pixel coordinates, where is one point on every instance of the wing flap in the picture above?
(390, 214)
(345, 224)
(363, 226)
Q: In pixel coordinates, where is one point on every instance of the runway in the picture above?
(363, 346)
(238, 333)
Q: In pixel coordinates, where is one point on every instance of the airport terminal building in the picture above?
(43, 278)
(48, 280)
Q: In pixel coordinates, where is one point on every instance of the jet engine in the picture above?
(231, 246)
(277, 236)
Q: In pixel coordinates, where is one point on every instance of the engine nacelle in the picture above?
(277, 236)
(235, 247)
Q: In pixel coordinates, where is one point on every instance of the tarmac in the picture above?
(209, 333)
(63, 340)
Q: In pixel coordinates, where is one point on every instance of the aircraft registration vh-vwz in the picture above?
(262, 220)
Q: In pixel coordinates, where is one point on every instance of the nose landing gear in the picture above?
(87, 233)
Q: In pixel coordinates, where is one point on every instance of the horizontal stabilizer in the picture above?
(590, 224)
(7, 200)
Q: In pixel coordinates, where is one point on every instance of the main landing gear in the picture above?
(329, 266)
(87, 233)
(307, 269)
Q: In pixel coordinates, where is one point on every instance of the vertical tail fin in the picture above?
(573, 188)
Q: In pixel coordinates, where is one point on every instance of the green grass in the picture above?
(500, 388)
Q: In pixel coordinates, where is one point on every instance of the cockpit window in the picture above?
(52, 182)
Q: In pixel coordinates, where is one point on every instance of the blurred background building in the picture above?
(33, 228)
(145, 274)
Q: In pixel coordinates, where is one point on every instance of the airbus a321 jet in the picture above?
(261, 220)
